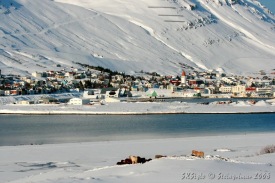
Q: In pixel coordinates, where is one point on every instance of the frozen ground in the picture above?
(235, 158)
(141, 108)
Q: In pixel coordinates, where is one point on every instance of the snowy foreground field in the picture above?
(236, 158)
(142, 108)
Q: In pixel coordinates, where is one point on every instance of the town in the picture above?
(97, 83)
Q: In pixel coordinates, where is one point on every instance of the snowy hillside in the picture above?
(236, 36)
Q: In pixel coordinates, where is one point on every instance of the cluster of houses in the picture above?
(51, 82)
(114, 87)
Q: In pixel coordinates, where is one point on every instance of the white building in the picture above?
(7, 92)
(238, 89)
(79, 101)
(189, 93)
(229, 80)
(25, 102)
(171, 87)
(264, 90)
(91, 94)
(69, 74)
(225, 89)
(112, 100)
(37, 74)
(113, 94)
(208, 91)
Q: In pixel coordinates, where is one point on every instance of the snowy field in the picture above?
(236, 158)
(142, 108)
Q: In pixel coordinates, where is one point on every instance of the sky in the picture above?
(270, 4)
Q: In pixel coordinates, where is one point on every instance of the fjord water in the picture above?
(46, 129)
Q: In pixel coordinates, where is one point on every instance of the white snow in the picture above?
(130, 36)
(136, 108)
(223, 150)
(262, 103)
(96, 161)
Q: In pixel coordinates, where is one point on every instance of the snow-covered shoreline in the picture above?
(227, 158)
(140, 108)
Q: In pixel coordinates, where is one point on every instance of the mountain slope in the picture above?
(128, 36)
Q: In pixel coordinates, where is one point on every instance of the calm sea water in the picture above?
(44, 129)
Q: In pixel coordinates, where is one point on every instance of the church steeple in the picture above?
(183, 78)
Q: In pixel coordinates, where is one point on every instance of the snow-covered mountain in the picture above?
(235, 36)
